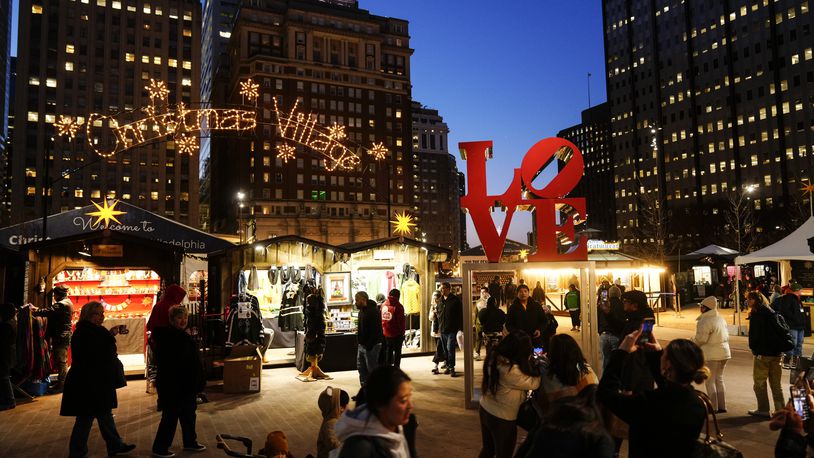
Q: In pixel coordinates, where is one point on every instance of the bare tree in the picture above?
(653, 227)
(740, 219)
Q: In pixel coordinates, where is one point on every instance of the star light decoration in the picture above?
(286, 152)
(403, 224)
(337, 132)
(67, 127)
(249, 89)
(808, 188)
(187, 144)
(378, 151)
(157, 90)
(106, 213)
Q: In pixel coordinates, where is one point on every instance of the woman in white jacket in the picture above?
(712, 336)
(508, 375)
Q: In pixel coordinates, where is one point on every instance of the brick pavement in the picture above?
(445, 428)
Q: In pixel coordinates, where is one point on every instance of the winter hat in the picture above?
(710, 302)
(330, 401)
(614, 291)
(276, 444)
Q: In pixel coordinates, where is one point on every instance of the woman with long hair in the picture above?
(566, 371)
(508, 375)
(673, 406)
(375, 428)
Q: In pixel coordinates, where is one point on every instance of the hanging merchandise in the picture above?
(291, 315)
(411, 297)
(243, 323)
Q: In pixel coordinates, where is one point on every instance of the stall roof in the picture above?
(715, 250)
(511, 247)
(293, 238)
(793, 247)
(135, 221)
(350, 247)
(101, 235)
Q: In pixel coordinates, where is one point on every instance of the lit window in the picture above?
(78, 193)
(34, 81)
(187, 32)
(146, 8)
(172, 63)
(36, 9)
(101, 2)
(157, 60)
(50, 119)
(186, 82)
(158, 11)
(51, 82)
(225, 34)
(154, 195)
(116, 5)
(126, 179)
(129, 57)
(69, 49)
(187, 15)
(33, 116)
(30, 191)
(187, 65)
(131, 8)
(145, 59)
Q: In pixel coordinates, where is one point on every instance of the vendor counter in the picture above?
(340, 352)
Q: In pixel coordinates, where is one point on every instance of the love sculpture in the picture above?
(522, 194)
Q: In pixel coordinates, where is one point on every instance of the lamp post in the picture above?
(240, 196)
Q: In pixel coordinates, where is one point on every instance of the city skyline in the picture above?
(487, 89)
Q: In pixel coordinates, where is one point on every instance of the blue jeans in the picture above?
(607, 343)
(450, 342)
(797, 336)
(367, 360)
(81, 431)
(6, 392)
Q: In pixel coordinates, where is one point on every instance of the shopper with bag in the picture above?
(769, 337)
(452, 324)
(673, 407)
(508, 375)
(91, 382)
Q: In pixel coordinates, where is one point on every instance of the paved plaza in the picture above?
(445, 428)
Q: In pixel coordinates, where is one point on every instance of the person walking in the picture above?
(160, 318)
(437, 319)
(479, 305)
(538, 294)
(8, 354)
(393, 326)
(673, 406)
(712, 335)
(451, 324)
(376, 428)
(492, 320)
(59, 317)
(766, 362)
(369, 336)
(572, 305)
(508, 375)
(610, 321)
(528, 316)
(788, 305)
(91, 383)
(180, 379)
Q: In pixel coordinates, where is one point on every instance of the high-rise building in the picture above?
(76, 58)
(347, 72)
(435, 176)
(5, 98)
(592, 136)
(5, 159)
(464, 243)
(709, 101)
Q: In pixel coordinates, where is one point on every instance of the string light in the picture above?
(285, 152)
(378, 151)
(249, 89)
(67, 127)
(403, 224)
(187, 144)
(157, 90)
(337, 132)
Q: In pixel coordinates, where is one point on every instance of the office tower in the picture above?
(711, 111)
(592, 136)
(77, 58)
(347, 72)
(437, 196)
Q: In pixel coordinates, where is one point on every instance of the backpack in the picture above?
(778, 335)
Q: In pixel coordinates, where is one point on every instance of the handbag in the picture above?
(118, 374)
(527, 416)
(712, 446)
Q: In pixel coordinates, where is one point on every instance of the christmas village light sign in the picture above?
(523, 195)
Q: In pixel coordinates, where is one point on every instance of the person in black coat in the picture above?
(369, 335)
(492, 320)
(766, 362)
(495, 290)
(789, 307)
(314, 334)
(179, 379)
(8, 350)
(637, 376)
(527, 315)
(90, 386)
(451, 323)
(673, 406)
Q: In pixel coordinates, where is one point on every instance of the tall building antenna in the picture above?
(589, 89)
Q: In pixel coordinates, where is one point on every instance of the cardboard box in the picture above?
(241, 370)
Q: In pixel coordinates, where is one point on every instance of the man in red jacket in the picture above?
(393, 328)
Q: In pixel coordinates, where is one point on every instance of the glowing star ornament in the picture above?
(106, 213)
(157, 90)
(187, 144)
(66, 127)
(336, 132)
(378, 151)
(249, 89)
(808, 188)
(403, 224)
(285, 152)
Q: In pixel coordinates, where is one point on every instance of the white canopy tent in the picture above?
(794, 247)
(714, 250)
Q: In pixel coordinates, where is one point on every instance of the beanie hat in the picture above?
(276, 444)
(710, 302)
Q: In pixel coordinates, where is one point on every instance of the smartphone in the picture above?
(800, 401)
(604, 295)
(647, 331)
(538, 351)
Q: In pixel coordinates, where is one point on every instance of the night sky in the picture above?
(512, 71)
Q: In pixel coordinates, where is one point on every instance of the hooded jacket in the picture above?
(363, 435)
(513, 385)
(160, 316)
(712, 335)
(393, 323)
(330, 407)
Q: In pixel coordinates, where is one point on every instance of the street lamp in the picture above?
(240, 196)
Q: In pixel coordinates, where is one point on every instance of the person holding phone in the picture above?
(528, 316)
(796, 429)
(637, 374)
(673, 406)
(712, 335)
